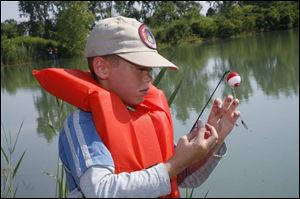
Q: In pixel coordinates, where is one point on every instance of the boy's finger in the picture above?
(216, 112)
(213, 138)
(233, 106)
(194, 133)
(226, 104)
(236, 115)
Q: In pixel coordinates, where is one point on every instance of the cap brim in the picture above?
(147, 59)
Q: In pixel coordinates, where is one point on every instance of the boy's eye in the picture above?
(144, 69)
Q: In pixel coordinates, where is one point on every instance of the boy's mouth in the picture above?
(144, 91)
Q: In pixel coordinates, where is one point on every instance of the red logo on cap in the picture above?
(147, 36)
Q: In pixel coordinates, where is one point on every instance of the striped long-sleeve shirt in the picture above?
(90, 168)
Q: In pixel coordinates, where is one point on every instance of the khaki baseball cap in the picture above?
(127, 38)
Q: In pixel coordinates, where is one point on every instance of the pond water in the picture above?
(262, 161)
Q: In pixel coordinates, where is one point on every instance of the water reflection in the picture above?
(50, 111)
(16, 77)
(270, 59)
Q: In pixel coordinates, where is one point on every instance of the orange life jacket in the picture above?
(136, 139)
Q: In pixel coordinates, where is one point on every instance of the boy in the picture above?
(123, 146)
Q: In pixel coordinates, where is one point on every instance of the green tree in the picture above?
(225, 27)
(262, 4)
(168, 11)
(127, 9)
(23, 28)
(249, 18)
(147, 10)
(188, 8)
(39, 16)
(10, 29)
(221, 6)
(235, 14)
(101, 9)
(8, 49)
(210, 12)
(165, 12)
(204, 27)
(287, 15)
(73, 25)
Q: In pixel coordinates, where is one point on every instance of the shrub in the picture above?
(25, 49)
(176, 32)
(225, 28)
(204, 27)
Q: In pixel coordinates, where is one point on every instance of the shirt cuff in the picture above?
(221, 152)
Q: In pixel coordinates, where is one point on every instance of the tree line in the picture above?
(65, 24)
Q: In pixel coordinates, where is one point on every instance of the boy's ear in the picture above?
(101, 68)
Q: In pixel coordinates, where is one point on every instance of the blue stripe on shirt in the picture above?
(76, 146)
(79, 142)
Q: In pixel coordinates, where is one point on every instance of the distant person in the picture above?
(55, 56)
(119, 143)
(50, 53)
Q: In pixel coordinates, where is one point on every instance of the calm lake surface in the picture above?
(262, 161)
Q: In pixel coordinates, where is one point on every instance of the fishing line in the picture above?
(210, 98)
(242, 121)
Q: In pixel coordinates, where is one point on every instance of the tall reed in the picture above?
(10, 167)
(61, 190)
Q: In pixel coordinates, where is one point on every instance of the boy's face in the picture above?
(129, 81)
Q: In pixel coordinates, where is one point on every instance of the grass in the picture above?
(61, 190)
(158, 79)
(10, 167)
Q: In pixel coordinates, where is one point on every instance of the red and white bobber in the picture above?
(234, 79)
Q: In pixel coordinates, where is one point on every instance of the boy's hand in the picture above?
(191, 148)
(223, 116)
